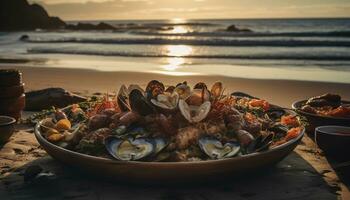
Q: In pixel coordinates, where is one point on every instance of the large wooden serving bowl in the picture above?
(158, 172)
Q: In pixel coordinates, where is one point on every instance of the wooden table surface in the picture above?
(304, 174)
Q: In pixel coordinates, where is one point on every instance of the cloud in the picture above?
(163, 9)
(48, 2)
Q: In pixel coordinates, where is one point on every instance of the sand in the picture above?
(280, 92)
(308, 174)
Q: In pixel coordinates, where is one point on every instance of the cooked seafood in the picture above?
(176, 123)
(327, 105)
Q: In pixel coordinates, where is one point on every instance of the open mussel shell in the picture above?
(139, 103)
(123, 99)
(216, 150)
(123, 96)
(129, 149)
(261, 143)
(159, 144)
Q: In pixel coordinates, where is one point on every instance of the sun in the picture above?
(178, 20)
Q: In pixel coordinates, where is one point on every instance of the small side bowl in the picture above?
(315, 120)
(334, 141)
(7, 128)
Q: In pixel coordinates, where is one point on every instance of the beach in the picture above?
(88, 82)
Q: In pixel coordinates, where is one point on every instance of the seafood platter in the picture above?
(326, 109)
(170, 132)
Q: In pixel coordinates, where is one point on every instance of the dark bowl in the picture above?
(318, 120)
(163, 172)
(7, 128)
(334, 141)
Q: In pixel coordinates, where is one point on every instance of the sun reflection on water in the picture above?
(176, 58)
(179, 30)
(174, 63)
(178, 50)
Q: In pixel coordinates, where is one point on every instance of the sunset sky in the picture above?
(194, 9)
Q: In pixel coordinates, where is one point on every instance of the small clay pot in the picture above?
(7, 128)
(10, 77)
(11, 105)
(12, 91)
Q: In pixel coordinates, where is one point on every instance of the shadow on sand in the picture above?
(292, 178)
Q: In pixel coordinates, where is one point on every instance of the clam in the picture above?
(198, 97)
(133, 149)
(170, 89)
(194, 114)
(183, 90)
(216, 150)
(59, 114)
(167, 101)
(216, 90)
(47, 124)
(244, 138)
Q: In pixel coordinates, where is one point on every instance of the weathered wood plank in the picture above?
(302, 175)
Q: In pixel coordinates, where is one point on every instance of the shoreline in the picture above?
(87, 82)
(178, 66)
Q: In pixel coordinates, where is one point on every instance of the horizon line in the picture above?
(169, 19)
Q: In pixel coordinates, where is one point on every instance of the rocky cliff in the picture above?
(20, 15)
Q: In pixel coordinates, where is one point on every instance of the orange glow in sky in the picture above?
(193, 9)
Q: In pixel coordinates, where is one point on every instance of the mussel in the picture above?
(275, 114)
(139, 103)
(200, 85)
(129, 149)
(278, 128)
(154, 88)
(242, 95)
(261, 143)
(123, 96)
(216, 90)
(216, 150)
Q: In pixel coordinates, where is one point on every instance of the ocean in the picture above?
(301, 49)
